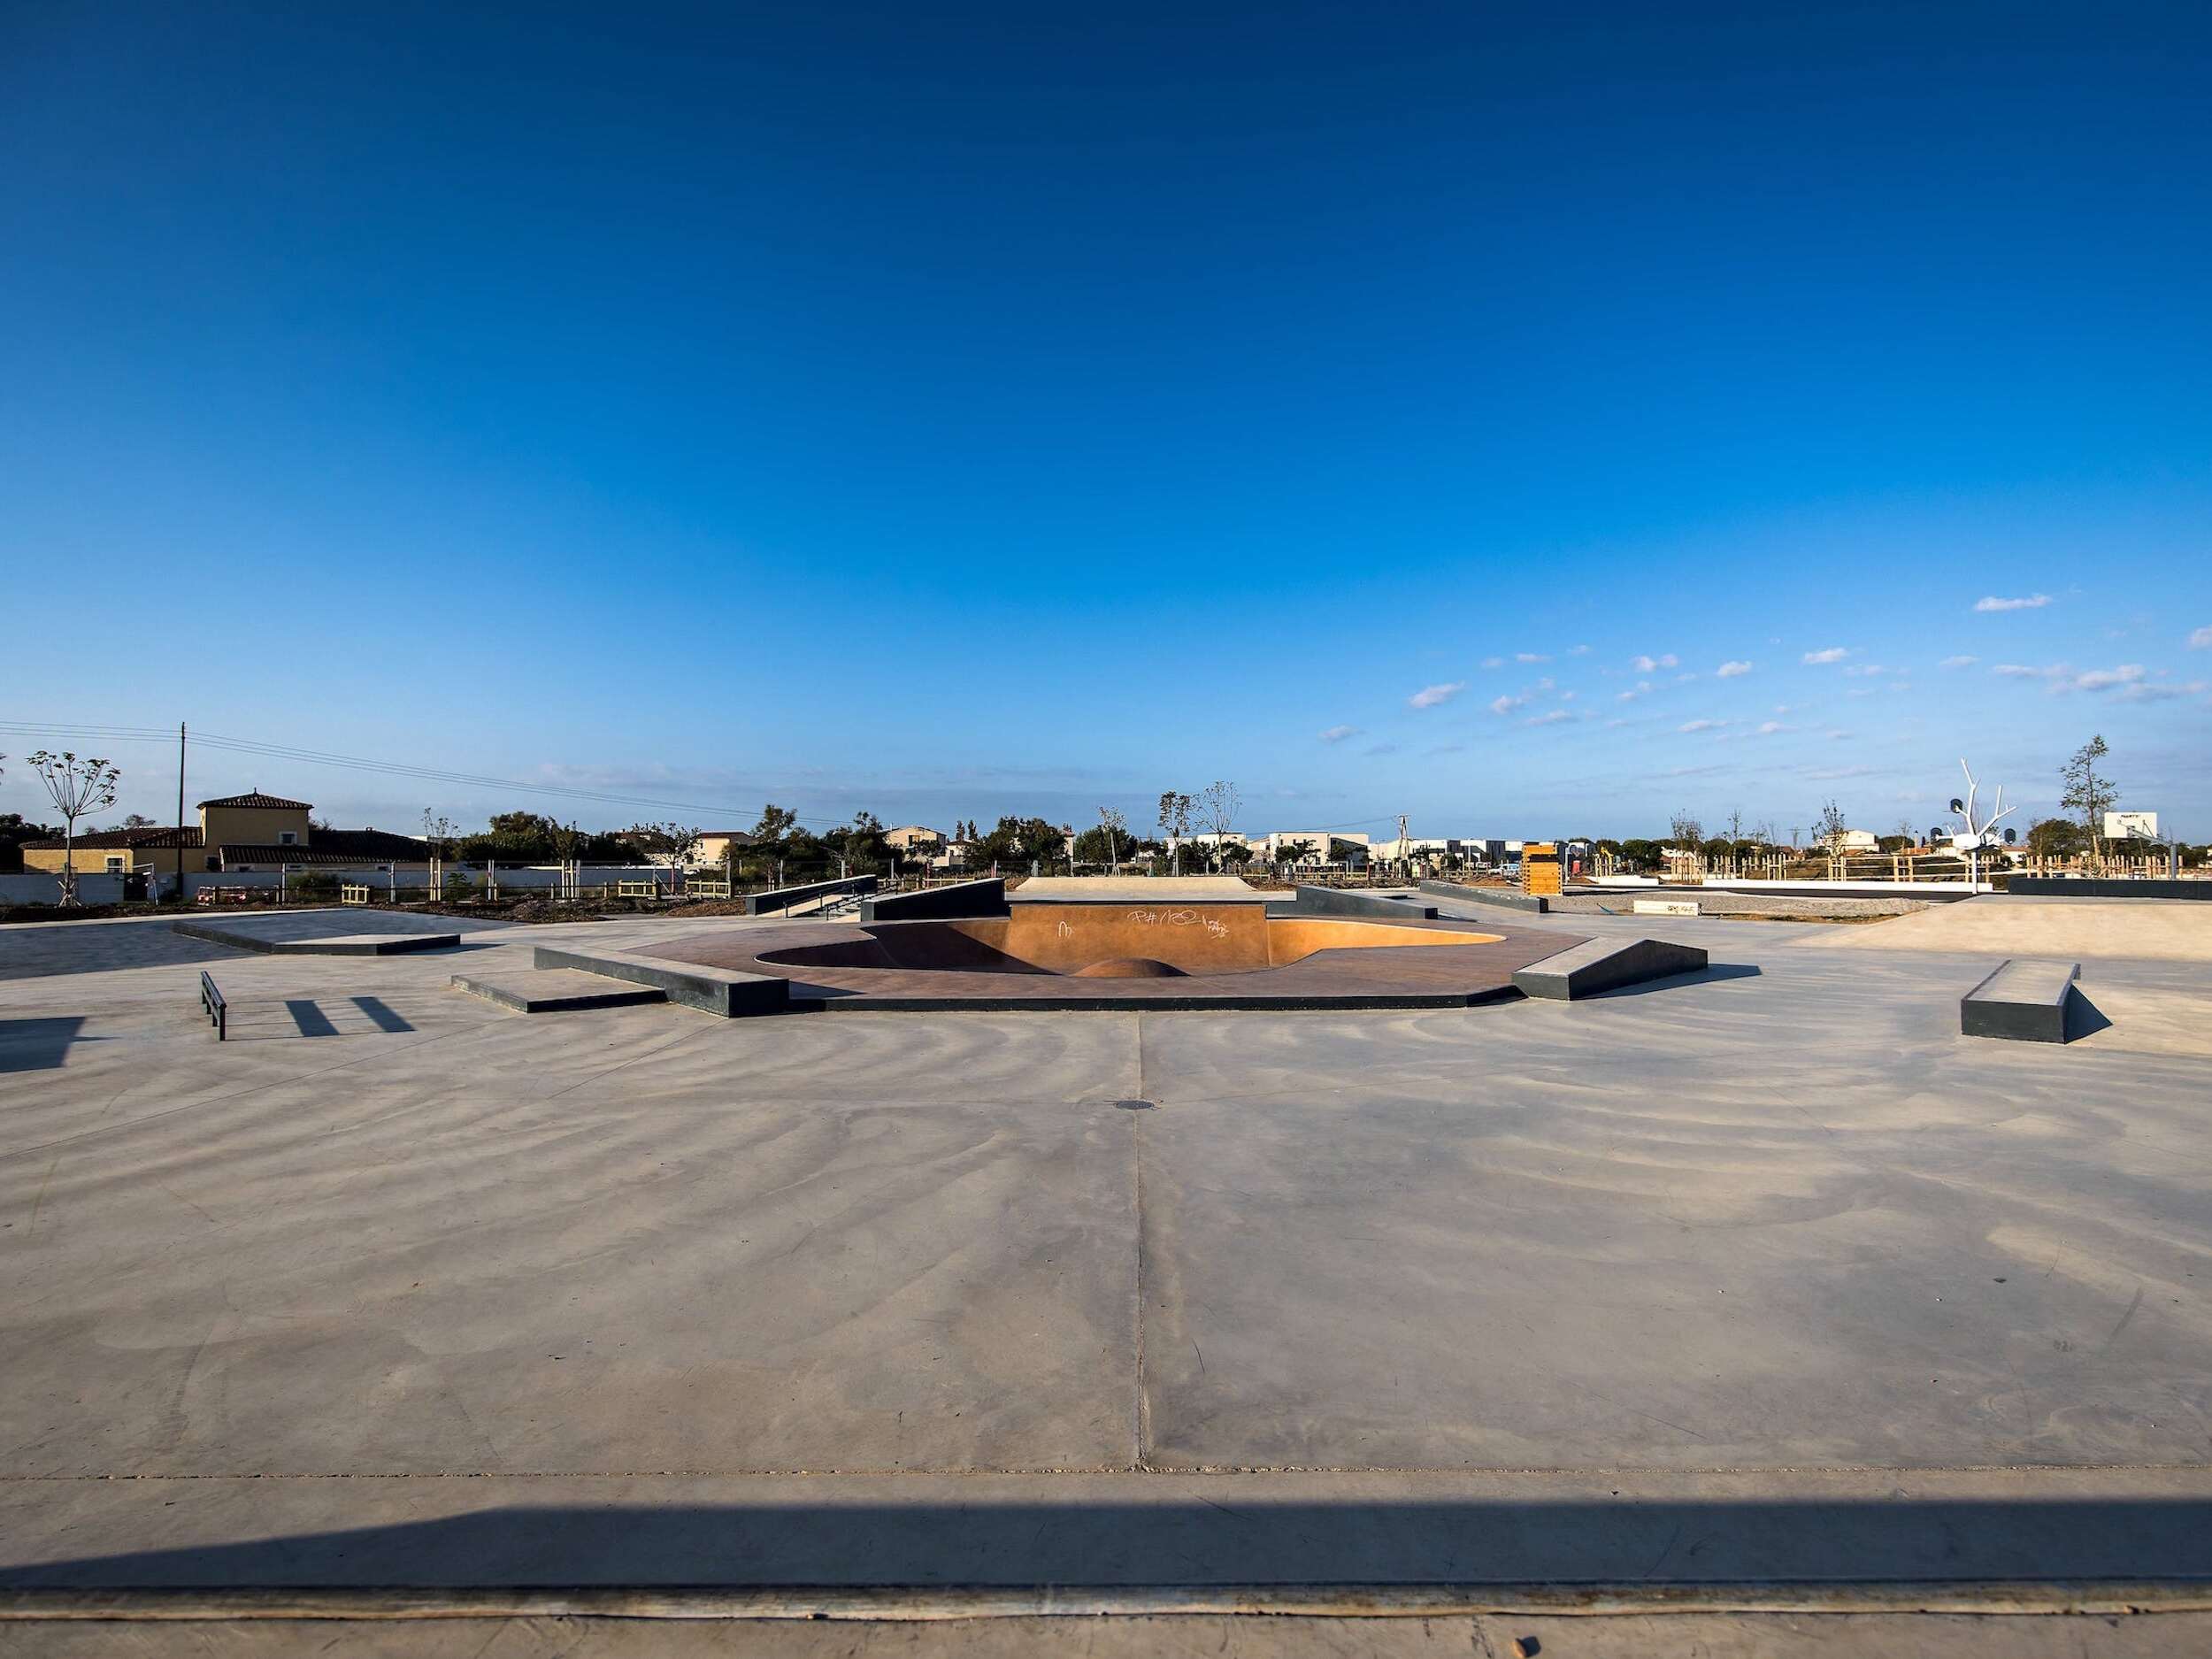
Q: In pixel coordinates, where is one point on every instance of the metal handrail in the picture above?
(218, 1009)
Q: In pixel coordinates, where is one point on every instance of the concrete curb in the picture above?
(913, 1603)
(350, 945)
(719, 991)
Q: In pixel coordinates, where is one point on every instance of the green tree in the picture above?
(861, 843)
(1104, 845)
(1643, 855)
(2054, 838)
(2089, 792)
(15, 830)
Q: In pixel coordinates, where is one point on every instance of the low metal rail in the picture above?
(218, 1009)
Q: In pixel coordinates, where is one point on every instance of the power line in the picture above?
(354, 763)
(430, 775)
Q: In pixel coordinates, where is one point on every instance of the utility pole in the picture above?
(178, 851)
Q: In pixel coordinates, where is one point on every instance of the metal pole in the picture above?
(178, 851)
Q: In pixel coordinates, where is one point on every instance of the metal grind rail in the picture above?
(218, 1009)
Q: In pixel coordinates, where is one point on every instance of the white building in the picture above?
(1270, 848)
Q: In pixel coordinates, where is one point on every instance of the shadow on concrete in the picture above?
(37, 1045)
(309, 1018)
(1190, 1541)
(1708, 975)
(381, 1014)
(2084, 1018)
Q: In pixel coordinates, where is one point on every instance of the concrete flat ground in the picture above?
(1766, 1274)
(2124, 929)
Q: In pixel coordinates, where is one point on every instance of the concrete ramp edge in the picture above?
(1599, 964)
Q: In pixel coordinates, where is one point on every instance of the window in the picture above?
(115, 865)
(288, 838)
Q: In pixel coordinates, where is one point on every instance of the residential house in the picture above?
(235, 832)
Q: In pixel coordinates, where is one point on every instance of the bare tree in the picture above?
(1735, 826)
(1686, 830)
(674, 842)
(1828, 828)
(78, 789)
(1117, 826)
(1218, 805)
(438, 831)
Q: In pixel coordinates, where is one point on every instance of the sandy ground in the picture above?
(1752, 1275)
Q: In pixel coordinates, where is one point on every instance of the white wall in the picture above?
(38, 887)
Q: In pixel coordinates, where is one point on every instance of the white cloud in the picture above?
(1834, 654)
(1506, 705)
(1865, 671)
(2163, 691)
(1703, 726)
(1530, 657)
(2021, 671)
(1493, 662)
(2202, 639)
(1768, 728)
(1958, 662)
(1338, 734)
(2106, 679)
(1584, 650)
(1642, 689)
(1549, 718)
(1429, 696)
(1653, 664)
(1729, 670)
(2033, 602)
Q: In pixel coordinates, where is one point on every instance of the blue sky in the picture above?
(959, 410)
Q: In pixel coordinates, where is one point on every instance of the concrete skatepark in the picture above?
(1734, 1298)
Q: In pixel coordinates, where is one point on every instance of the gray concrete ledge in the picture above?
(1600, 964)
(2090, 888)
(1504, 896)
(557, 991)
(2065, 1539)
(1337, 902)
(710, 990)
(963, 899)
(2025, 1000)
(337, 945)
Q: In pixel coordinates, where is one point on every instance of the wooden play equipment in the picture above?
(1540, 869)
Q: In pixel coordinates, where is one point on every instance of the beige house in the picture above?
(239, 832)
(907, 837)
(717, 846)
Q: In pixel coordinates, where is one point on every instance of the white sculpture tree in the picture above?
(1977, 834)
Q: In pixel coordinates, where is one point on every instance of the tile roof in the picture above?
(164, 837)
(254, 797)
(288, 853)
